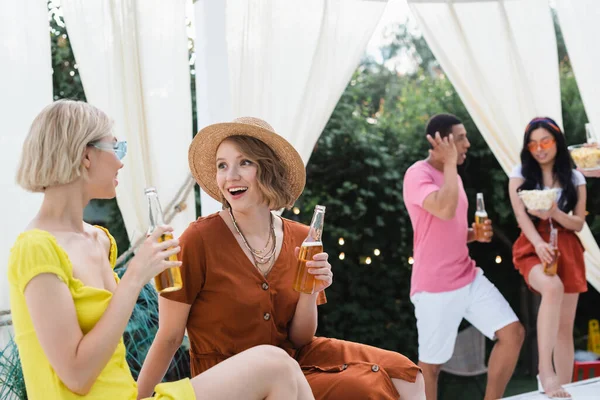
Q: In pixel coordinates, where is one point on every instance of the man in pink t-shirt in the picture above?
(446, 286)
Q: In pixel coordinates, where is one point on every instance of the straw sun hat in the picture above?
(203, 153)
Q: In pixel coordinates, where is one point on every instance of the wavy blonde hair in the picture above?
(53, 150)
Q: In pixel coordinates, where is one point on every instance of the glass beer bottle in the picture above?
(590, 134)
(305, 282)
(480, 218)
(170, 279)
(551, 269)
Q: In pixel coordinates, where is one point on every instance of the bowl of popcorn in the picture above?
(586, 157)
(539, 200)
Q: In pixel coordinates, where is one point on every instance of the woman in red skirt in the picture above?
(547, 164)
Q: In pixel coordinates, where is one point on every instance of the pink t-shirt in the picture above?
(441, 256)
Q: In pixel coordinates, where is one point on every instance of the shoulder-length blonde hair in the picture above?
(271, 175)
(53, 150)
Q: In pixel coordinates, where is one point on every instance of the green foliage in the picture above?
(12, 384)
(140, 333)
(65, 75)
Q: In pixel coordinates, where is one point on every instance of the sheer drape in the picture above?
(133, 61)
(26, 82)
(579, 25)
(285, 62)
(501, 57)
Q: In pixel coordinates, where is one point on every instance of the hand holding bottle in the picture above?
(311, 257)
(482, 227)
(152, 257)
(483, 231)
(320, 269)
(169, 279)
(545, 252)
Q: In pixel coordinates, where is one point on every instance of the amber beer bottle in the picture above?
(551, 269)
(480, 218)
(170, 279)
(305, 282)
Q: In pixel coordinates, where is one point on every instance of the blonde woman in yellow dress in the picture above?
(69, 308)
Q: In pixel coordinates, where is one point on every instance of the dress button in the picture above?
(265, 286)
(344, 367)
(375, 368)
(267, 316)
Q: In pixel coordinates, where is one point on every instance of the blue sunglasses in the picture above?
(119, 148)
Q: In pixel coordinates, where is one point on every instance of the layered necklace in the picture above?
(264, 257)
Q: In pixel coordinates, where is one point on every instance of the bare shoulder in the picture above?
(100, 236)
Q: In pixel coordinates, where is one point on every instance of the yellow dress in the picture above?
(37, 252)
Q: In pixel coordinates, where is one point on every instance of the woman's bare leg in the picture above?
(262, 372)
(552, 291)
(411, 390)
(564, 352)
(304, 389)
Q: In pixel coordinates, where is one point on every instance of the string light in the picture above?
(341, 241)
(342, 256)
(376, 252)
(498, 259)
(368, 260)
(411, 260)
(296, 210)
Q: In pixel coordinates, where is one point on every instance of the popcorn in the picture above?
(585, 157)
(539, 200)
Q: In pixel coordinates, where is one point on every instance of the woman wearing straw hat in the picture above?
(238, 268)
(69, 308)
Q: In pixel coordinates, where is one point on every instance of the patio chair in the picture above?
(468, 359)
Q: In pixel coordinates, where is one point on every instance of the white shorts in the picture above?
(440, 314)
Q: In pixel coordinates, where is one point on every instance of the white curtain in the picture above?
(133, 60)
(285, 62)
(502, 59)
(26, 82)
(579, 24)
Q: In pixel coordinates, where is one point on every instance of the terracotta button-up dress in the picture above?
(234, 308)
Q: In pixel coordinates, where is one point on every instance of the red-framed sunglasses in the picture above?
(544, 144)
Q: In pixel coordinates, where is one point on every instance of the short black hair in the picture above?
(441, 123)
